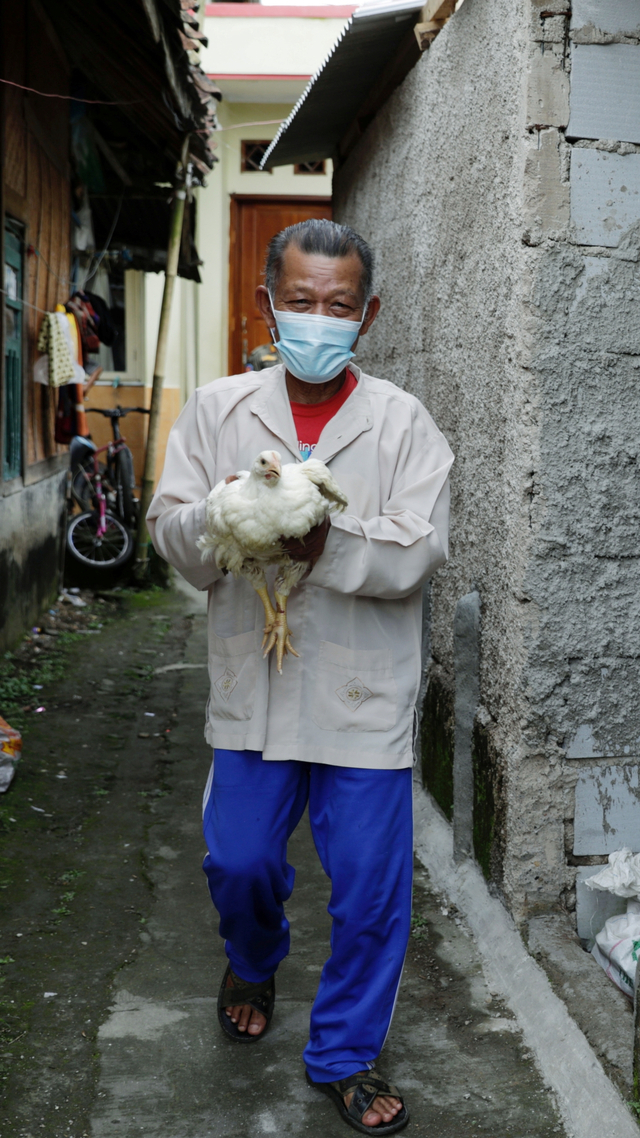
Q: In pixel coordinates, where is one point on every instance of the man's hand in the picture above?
(230, 478)
(310, 547)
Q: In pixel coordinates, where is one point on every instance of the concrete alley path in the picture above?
(129, 1043)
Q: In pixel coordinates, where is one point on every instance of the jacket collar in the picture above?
(271, 405)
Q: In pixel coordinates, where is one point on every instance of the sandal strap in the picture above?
(366, 1086)
(244, 992)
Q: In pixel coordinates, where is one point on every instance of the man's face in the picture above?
(321, 286)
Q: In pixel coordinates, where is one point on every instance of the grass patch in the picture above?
(19, 677)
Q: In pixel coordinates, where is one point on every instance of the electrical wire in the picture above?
(106, 246)
(25, 303)
(69, 98)
(241, 125)
(63, 281)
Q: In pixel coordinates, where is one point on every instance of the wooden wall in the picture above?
(37, 192)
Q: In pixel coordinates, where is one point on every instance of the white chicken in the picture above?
(246, 520)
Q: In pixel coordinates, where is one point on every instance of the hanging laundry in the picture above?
(105, 326)
(81, 307)
(66, 419)
(83, 236)
(80, 426)
(57, 365)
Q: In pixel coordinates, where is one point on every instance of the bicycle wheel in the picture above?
(106, 552)
(125, 482)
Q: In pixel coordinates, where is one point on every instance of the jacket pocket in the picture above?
(355, 690)
(233, 669)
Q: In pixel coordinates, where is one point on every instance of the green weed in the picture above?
(418, 925)
(71, 875)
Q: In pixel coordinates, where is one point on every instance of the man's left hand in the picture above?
(308, 548)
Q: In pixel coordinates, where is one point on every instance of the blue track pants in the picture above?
(362, 827)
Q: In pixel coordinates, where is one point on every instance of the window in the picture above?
(12, 409)
(310, 167)
(252, 155)
(117, 295)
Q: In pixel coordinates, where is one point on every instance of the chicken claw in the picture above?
(280, 634)
(269, 614)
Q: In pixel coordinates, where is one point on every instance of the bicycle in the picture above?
(101, 535)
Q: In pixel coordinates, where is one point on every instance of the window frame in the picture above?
(322, 162)
(246, 142)
(15, 481)
(134, 330)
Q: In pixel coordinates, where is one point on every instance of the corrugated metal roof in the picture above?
(338, 90)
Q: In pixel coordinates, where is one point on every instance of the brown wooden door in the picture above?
(254, 221)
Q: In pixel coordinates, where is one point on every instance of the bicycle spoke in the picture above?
(110, 549)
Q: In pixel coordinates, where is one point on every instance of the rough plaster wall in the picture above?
(525, 347)
(433, 186)
(583, 576)
(32, 528)
(436, 186)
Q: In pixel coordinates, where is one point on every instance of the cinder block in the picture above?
(547, 88)
(546, 194)
(607, 810)
(605, 92)
(594, 907)
(617, 17)
(605, 195)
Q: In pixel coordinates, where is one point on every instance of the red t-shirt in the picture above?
(311, 418)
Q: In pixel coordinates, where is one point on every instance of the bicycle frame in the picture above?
(112, 448)
(95, 480)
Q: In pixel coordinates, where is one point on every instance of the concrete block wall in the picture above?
(507, 231)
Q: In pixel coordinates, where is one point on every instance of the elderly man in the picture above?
(336, 730)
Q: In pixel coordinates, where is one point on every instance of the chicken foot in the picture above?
(280, 634)
(269, 613)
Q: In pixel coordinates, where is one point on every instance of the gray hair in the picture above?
(319, 235)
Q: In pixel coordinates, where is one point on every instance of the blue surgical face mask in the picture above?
(315, 348)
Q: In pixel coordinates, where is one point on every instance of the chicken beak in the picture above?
(275, 468)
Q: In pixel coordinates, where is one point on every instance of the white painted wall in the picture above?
(281, 45)
(213, 220)
(197, 347)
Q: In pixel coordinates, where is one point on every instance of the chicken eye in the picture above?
(263, 462)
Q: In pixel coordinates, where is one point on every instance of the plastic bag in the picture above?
(621, 876)
(10, 752)
(617, 947)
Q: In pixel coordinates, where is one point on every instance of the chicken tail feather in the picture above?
(322, 477)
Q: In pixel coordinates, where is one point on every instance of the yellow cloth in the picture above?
(53, 342)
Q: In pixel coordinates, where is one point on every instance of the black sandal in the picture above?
(260, 997)
(366, 1085)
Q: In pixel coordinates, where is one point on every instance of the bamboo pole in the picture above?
(636, 1073)
(171, 272)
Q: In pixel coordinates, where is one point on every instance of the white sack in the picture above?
(621, 876)
(617, 947)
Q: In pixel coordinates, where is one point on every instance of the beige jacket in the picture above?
(356, 619)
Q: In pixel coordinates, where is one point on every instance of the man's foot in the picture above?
(366, 1101)
(245, 1010)
(383, 1109)
(245, 1017)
